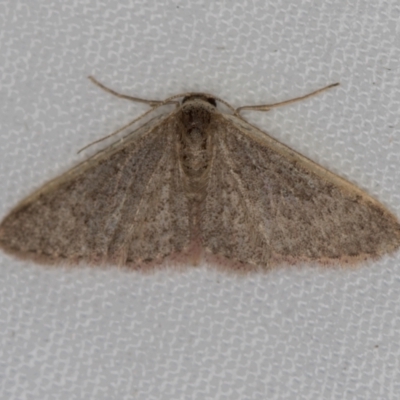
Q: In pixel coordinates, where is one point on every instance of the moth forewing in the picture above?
(197, 183)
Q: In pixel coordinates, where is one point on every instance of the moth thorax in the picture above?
(195, 152)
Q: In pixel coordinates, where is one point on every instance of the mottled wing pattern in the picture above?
(267, 204)
(125, 205)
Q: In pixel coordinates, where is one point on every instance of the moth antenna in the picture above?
(151, 103)
(267, 107)
(116, 132)
(154, 104)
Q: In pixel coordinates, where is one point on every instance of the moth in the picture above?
(199, 184)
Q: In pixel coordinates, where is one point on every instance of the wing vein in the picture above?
(247, 206)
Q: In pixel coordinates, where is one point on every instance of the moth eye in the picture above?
(212, 101)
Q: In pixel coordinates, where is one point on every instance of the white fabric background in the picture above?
(295, 333)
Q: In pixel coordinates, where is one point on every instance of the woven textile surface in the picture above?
(300, 332)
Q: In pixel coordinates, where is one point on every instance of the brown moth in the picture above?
(199, 184)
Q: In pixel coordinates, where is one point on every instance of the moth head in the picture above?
(207, 99)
